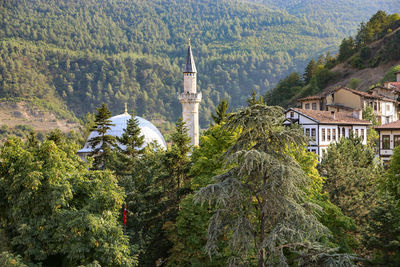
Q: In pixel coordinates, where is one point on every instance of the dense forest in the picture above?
(77, 54)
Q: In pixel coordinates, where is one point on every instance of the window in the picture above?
(357, 135)
(307, 106)
(291, 114)
(385, 141)
(334, 134)
(387, 107)
(329, 135)
(313, 134)
(323, 134)
(375, 106)
(362, 134)
(314, 106)
(343, 132)
(307, 132)
(396, 139)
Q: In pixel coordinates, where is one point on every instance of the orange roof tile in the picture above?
(388, 126)
(325, 117)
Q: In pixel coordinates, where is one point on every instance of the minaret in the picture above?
(190, 98)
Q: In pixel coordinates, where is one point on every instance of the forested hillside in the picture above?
(81, 53)
(369, 58)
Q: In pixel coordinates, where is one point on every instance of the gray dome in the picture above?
(150, 132)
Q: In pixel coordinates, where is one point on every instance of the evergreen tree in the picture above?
(383, 235)
(189, 233)
(350, 171)
(103, 143)
(133, 141)
(260, 201)
(221, 112)
(347, 49)
(309, 71)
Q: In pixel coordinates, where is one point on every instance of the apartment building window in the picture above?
(385, 141)
(334, 134)
(307, 132)
(328, 135)
(323, 135)
(396, 139)
(313, 134)
(362, 134)
(314, 106)
(307, 106)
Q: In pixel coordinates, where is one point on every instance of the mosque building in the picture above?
(147, 129)
(189, 99)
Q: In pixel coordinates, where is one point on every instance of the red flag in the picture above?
(124, 217)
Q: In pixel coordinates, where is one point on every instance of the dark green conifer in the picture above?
(220, 112)
(103, 143)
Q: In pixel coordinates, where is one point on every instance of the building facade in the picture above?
(389, 138)
(383, 101)
(325, 127)
(190, 98)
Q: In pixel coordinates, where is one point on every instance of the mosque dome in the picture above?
(147, 129)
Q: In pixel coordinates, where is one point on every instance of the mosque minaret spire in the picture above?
(190, 98)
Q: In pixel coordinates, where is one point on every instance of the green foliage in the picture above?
(260, 201)
(285, 90)
(354, 83)
(351, 171)
(10, 260)
(146, 203)
(103, 143)
(55, 211)
(372, 135)
(347, 49)
(330, 216)
(189, 234)
(133, 142)
(389, 75)
(383, 231)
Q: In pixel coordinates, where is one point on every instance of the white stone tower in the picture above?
(190, 98)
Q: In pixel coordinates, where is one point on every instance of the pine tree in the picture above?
(133, 141)
(221, 112)
(103, 143)
(309, 71)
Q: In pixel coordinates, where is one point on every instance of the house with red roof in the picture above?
(324, 127)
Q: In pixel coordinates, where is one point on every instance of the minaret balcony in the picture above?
(189, 97)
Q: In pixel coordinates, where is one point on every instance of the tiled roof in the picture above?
(395, 84)
(369, 94)
(325, 117)
(312, 97)
(388, 126)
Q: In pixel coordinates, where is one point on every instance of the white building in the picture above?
(190, 98)
(147, 129)
(325, 127)
(389, 138)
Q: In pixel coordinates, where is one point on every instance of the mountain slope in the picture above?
(85, 52)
